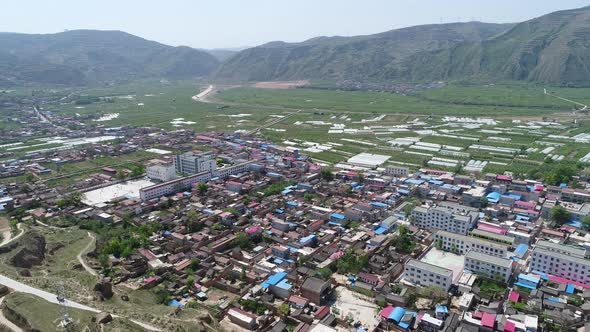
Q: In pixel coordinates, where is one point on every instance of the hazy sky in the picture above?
(233, 23)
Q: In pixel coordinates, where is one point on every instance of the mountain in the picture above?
(222, 54)
(554, 48)
(371, 57)
(82, 57)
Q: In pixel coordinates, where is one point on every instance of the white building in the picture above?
(161, 172)
(191, 163)
(560, 260)
(449, 217)
(489, 266)
(398, 171)
(425, 274)
(462, 244)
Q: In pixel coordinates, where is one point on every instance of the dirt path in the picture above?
(584, 106)
(4, 321)
(8, 238)
(85, 251)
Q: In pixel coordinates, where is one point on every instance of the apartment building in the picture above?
(398, 171)
(425, 274)
(489, 266)
(562, 261)
(191, 163)
(449, 217)
(461, 244)
(161, 172)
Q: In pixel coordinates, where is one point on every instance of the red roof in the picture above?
(491, 229)
(503, 178)
(488, 320)
(509, 326)
(322, 312)
(514, 296)
(529, 205)
(386, 312)
(560, 280)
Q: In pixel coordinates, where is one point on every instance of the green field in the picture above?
(446, 101)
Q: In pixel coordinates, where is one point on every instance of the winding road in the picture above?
(52, 298)
(86, 250)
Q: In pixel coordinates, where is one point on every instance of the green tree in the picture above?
(283, 310)
(326, 174)
(242, 240)
(559, 215)
(586, 223)
(202, 188)
(483, 202)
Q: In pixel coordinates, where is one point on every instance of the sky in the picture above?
(240, 23)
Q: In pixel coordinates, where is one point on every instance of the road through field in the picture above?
(52, 298)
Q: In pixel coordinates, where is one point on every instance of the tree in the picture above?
(586, 223)
(559, 215)
(242, 240)
(326, 174)
(403, 241)
(408, 208)
(202, 188)
(324, 273)
(283, 310)
(308, 197)
(194, 265)
(190, 282)
(483, 202)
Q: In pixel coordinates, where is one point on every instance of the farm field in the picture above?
(510, 127)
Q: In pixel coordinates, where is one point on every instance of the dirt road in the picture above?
(85, 251)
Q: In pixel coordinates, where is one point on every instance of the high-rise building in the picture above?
(191, 163)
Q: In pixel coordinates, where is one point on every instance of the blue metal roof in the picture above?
(284, 284)
(274, 279)
(337, 216)
(520, 284)
(493, 197)
(307, 238)
(397, 314)
(442, 308)
(528, 278)
(569, 289)
(291, 203)
(377, 204)
(380, 230)
(521, 250)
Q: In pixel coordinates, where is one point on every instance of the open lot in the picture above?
(360, 308)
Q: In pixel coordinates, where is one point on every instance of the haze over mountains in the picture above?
(554, 48)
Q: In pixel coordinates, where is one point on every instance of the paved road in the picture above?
(84, 251)
(4, 321)
(202, 95)
(52, 298)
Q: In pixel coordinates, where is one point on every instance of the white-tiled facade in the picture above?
(425, 274)
(492, 267)
(450, 217)
(562, 261)
(462, 244)
(161, 173)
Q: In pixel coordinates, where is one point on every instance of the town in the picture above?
(261, 237)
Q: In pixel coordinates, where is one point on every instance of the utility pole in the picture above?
(66, 321)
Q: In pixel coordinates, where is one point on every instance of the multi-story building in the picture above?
(161, 172)
(449, 217)
(398, 171)
(461, 244)
(575, 195)
(425, 274)
(489, 266)
(172, 187)
(560, 260)
(191, 163)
